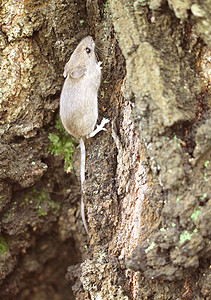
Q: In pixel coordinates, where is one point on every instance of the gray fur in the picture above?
(78, 102)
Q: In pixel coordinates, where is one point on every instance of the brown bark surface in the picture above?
(148, 178)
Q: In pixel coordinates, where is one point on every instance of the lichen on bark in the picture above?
(147, 188)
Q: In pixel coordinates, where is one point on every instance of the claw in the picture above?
(104, 121)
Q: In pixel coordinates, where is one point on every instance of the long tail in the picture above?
(83, 159)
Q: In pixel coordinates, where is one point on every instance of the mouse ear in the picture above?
(74, 72)
(78, 72)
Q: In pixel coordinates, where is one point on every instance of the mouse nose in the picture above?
(91, 41)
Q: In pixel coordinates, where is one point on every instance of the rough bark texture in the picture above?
(147, 188)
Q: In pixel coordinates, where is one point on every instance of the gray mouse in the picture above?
(78, 101)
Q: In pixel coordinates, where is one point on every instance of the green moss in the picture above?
(40, 197)
(106, 5)
(3, 245)
(10, 213)
(205, 177)
(206, 163)
(179, 141)
(203, 197)
(150, 247)
(62, 144)
(195, 214)
(185, 236)
(53, 205)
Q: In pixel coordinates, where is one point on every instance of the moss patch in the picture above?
(3, 245)
(39, 197)
(62, 145)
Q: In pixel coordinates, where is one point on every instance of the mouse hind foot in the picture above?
(99, 127)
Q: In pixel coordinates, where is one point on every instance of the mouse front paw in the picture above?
(99, 65)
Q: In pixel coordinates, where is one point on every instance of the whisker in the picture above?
(97, 55)
(99, 48)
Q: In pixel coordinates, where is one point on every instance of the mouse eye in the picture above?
(88, 50)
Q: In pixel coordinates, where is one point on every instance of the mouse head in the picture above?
(82, 58)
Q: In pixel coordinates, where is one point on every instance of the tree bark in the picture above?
(147, 187)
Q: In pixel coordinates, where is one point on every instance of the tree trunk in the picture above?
(147, 187)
